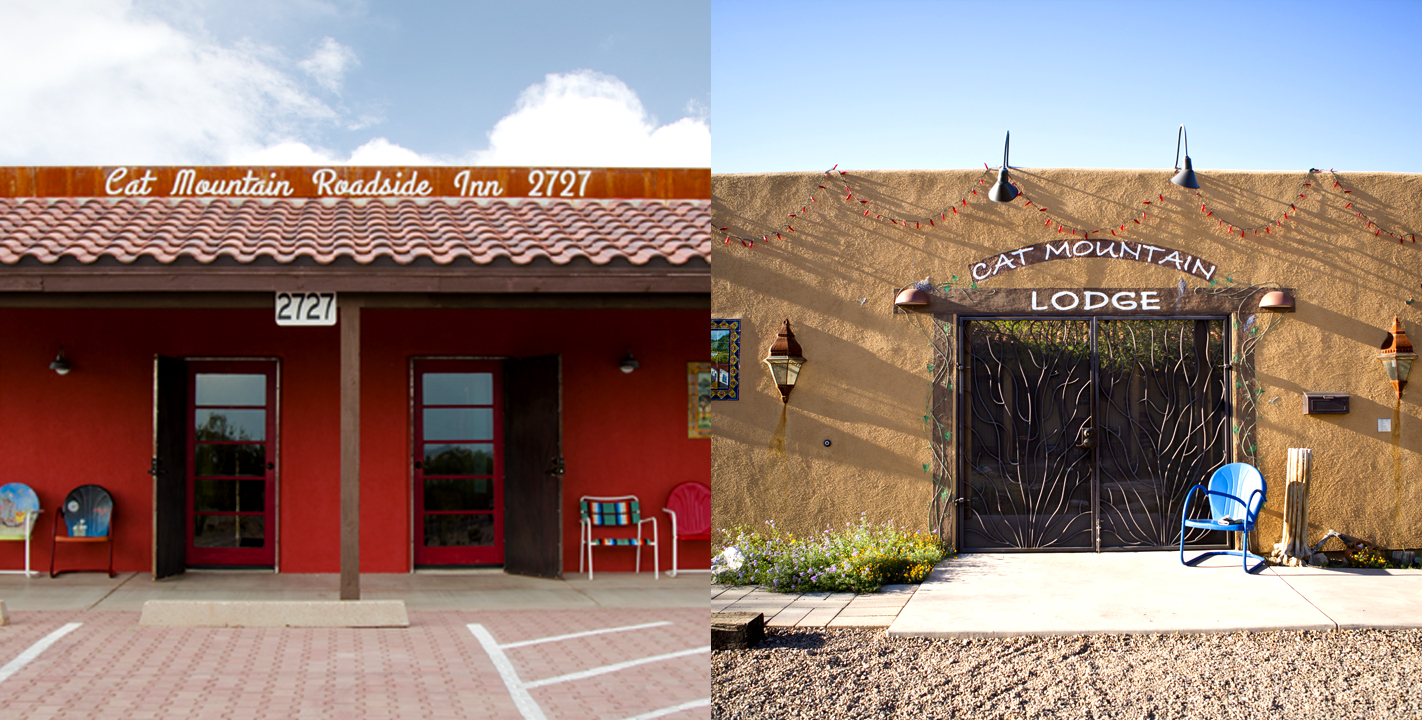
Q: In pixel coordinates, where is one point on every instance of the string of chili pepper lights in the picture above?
(1120, 227)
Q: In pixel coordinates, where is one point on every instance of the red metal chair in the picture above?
(689, 506)
(87, 517)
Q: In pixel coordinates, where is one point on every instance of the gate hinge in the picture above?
(558, 468)
(153, 467)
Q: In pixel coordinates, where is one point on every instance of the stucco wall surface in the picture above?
(866, 384)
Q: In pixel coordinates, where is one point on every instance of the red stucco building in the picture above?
(457, 377)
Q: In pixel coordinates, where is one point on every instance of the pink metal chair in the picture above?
(689, 506)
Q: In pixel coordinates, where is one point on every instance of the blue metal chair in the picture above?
(1236, 493)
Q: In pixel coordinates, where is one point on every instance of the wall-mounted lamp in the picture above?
(1397, 356)
(628, 363)
(912, 297)
(1185, 178)
(60, 364)
(1003, 191)
(1276, 301)
(785, 361)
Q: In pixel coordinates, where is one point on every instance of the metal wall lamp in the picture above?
(628, 363)
(1003, 191)
(1397, 356)
(785, 361)
(60, 364)
(1185, 178)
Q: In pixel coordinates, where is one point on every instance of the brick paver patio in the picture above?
(110, 667)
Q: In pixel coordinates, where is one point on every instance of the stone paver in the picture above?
(436, 668)
(820, 609)
(433, 669)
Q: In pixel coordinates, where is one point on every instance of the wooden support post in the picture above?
(350, 446)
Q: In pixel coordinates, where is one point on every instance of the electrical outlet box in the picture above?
(1325, 403)
(1385, 425)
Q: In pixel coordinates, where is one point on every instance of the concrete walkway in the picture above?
(1000, 595)
(465, 590)
(835, 610)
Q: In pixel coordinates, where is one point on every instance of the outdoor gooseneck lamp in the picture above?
(1397, 356)
(628, 363)
(62, 367)
(1185, 178)
(785, 361)
(1003, 191)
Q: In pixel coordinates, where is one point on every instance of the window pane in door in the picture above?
(459, 459)
(230, 460)
(458, 389)
(230, 389)
(230, 425)
(458, 530)
(229, 495)
(459, 494)
(459, 424)
(229, 531)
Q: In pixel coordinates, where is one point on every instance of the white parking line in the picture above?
(518, 689)
(704, 702)
(585, 633)
(33, 651)
(615, 667)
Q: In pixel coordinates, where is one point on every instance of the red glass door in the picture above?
(231, 463)
(459, 463)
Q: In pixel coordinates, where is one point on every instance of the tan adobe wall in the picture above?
(865, 386)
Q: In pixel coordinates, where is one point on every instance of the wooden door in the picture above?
(534, 467)
(170, 487)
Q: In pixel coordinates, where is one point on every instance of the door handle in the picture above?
(1088, 438)
(419, 465)
(271, 466)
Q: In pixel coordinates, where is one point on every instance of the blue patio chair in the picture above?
(1236, 493)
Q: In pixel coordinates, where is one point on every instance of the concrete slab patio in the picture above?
(1002, 595)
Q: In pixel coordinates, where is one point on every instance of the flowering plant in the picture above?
(860, 558)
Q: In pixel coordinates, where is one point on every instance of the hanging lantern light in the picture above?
(785, 361)
(1397, 356)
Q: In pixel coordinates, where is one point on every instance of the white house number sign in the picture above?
(304, 308)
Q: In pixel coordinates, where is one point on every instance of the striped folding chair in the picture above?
(623, 511)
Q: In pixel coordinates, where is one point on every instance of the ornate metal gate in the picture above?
(1086, 433)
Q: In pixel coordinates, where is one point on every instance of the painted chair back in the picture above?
(1238, 480)
(692, 504)
(86, 512)
(18, 505)
(611, 514)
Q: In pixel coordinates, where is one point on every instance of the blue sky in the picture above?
(615, 82)
(800, 86)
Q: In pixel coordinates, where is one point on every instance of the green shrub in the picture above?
(861, 558)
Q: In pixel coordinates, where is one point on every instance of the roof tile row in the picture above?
(445, 230)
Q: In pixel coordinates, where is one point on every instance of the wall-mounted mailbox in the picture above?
(1325, 403)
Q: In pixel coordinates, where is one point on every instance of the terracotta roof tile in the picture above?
(404, 231)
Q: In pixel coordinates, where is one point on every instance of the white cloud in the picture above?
(328, 64)
(589, 118)
(97, 83)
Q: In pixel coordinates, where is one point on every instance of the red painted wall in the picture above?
(622, 433)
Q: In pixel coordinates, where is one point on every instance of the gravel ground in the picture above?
(865, 674)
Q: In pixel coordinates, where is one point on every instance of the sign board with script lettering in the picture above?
(564, 183)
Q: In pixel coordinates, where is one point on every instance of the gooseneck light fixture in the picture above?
(785, 361)
(1003, 191)
(1397, 356)
(628, 363)
(1185, 178)
(60, 364)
